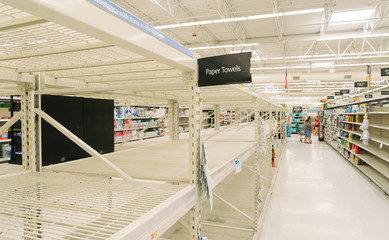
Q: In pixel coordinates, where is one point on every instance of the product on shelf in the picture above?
(6, 150)
(4, 135)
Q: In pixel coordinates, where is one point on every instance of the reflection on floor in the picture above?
(319, 195)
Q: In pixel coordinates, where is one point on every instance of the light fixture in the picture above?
(351, 16)
(323, 63)
(238, 19)
(323, 66)
(329, 57)
(344, 23)
(225, 46)
(353, 36)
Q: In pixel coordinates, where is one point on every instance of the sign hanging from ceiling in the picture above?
(225, 69)
(384, 92)
(360, 84)
(338, 93)
(384, 72)
(368, 96)
(330, 97)
(345, 91)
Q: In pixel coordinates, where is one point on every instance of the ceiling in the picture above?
(324, 45)
(311, 40)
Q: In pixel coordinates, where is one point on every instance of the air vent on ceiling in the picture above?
(296, 77)
(347, 76)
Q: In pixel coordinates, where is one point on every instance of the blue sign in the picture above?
(136, 22)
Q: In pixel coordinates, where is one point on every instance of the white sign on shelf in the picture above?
(238, 166)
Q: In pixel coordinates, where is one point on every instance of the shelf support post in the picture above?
(217, 117)
(173, 119)
(39, 85)
(237, 116)
(257, 166)
(271, 143)
(28, 126)
(194, 152)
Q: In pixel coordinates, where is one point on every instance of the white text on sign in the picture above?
(216, 71)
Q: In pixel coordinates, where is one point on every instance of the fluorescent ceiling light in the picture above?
(225, 46)
(353, 37)
(351, 16)
(323, 66)
(317, 57)
(344, 23)
(238, 19)
(323, 63)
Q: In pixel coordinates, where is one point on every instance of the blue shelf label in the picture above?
(136, 22)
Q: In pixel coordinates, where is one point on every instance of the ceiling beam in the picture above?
(101, 73)
(86, 65)
(48, 52)
(137, 87)
(21, 22)
(292, 38)
(135, 79)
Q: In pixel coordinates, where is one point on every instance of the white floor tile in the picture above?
(319, 195)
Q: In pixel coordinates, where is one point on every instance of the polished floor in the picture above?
(319, 195)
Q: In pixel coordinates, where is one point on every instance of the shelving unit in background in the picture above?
(342, 132)
(183, 119)
(131, 119)
(6, 143)
(297, 121)
(5, 146)
(228, 117)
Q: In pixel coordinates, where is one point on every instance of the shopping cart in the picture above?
(302, 136)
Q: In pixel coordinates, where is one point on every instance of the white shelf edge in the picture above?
(140, 118)
(120, 130)
(136, 139)
(366, 148)
(4, 159)
(379, 126)
(360, 168)
(356, 123)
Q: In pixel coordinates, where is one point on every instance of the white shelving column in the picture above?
(217, 117)
(28, 126)
(173, 119)
(257, 166)
(39, 85)
(237, 116)
(194, 152)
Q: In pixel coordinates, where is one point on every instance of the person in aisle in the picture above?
(316, 128)
(308, 130)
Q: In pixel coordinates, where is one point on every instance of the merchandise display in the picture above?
(297, 121)
(360, 133)
(5, 147)
(130, 119)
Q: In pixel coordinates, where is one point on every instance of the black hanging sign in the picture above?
(345, 91)
(330, 97)
(368, 96)
(384, 92)
(338, 93)
(225, 69)
(384, 72)
(360, 84)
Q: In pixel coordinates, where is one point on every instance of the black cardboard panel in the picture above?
(98, 124)
(68, 111)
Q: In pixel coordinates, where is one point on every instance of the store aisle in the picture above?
(320, 196)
